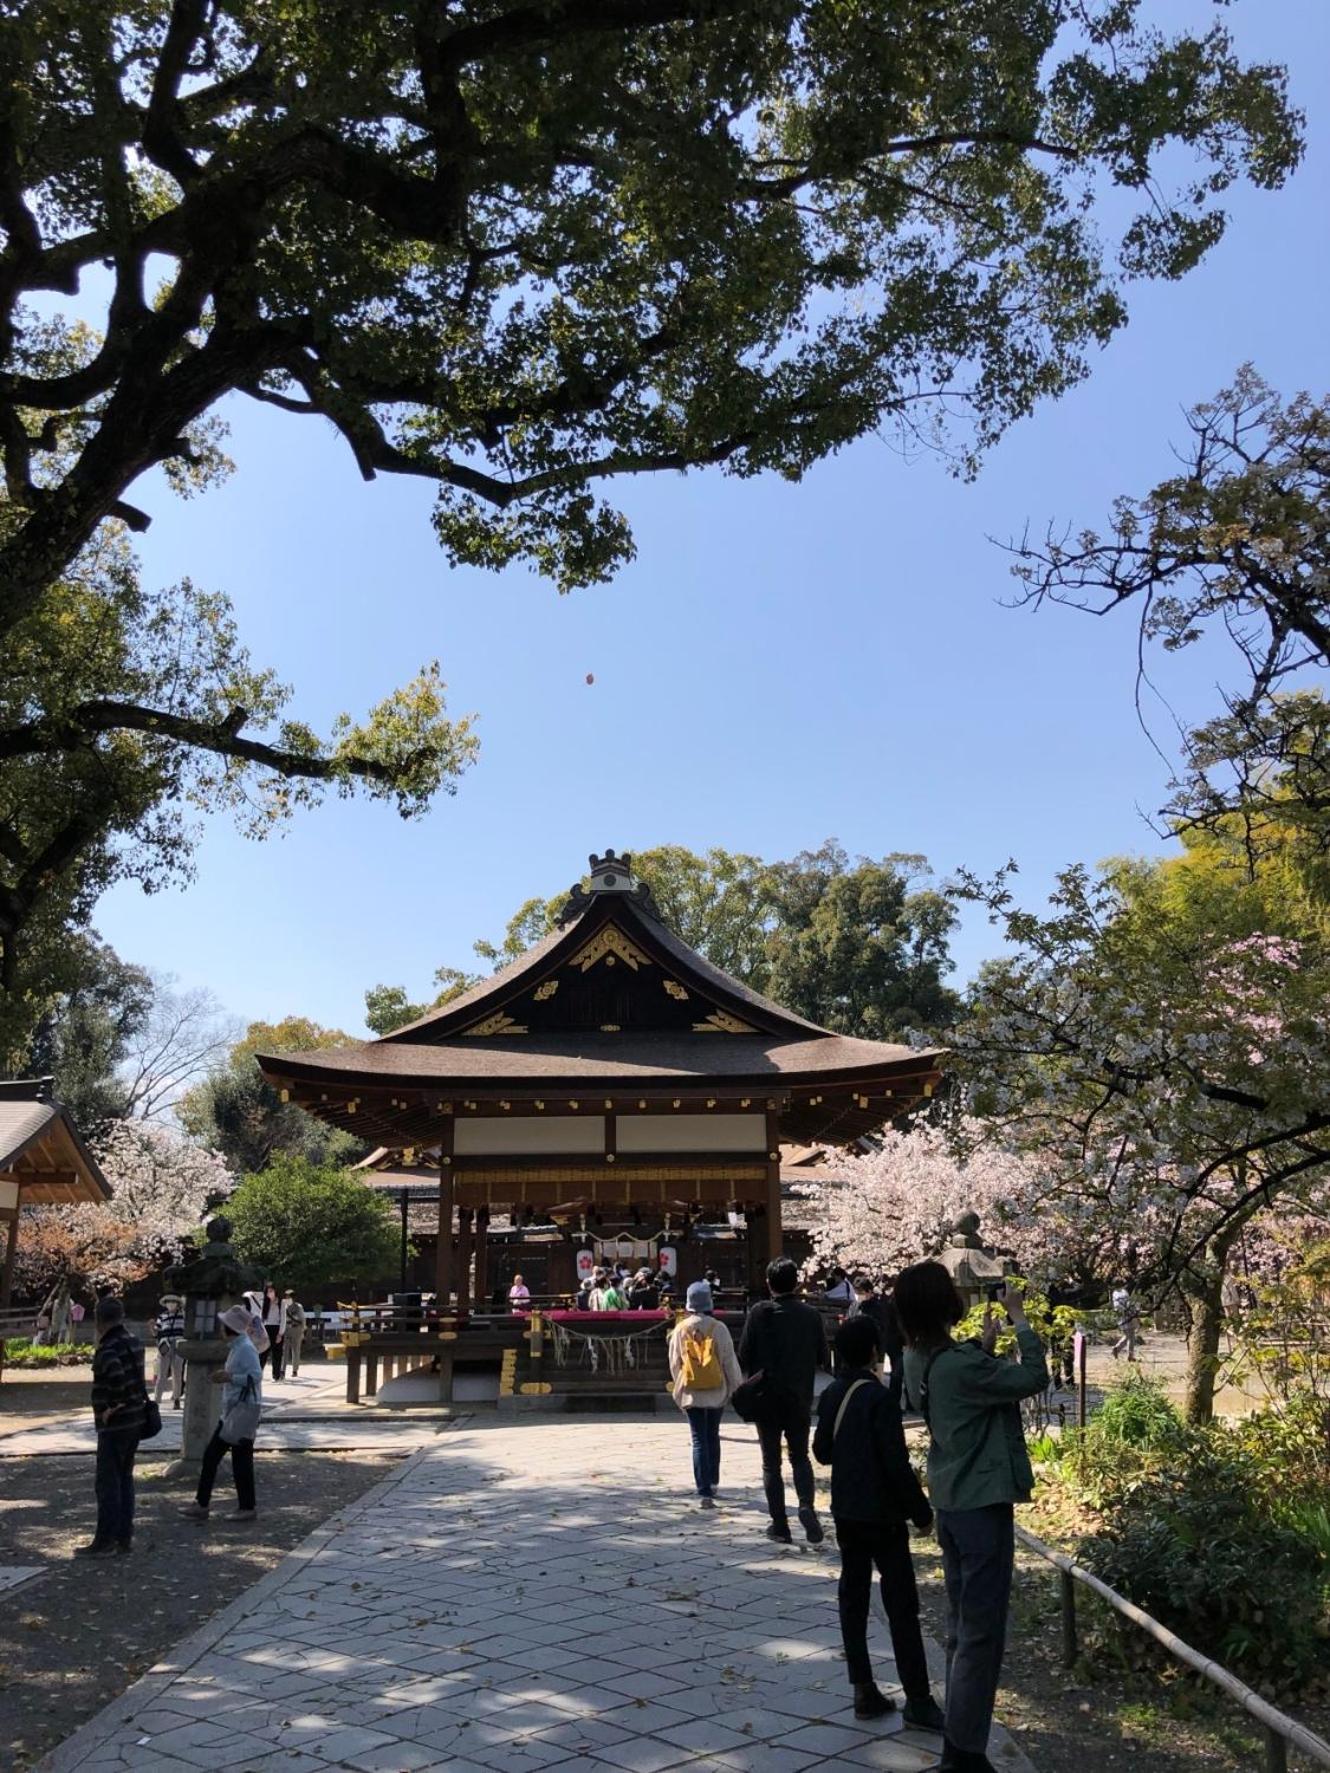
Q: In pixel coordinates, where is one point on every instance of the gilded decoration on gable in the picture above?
(610, 945)
(722, 1022)
(543, 993)
(676, 990)
(499, 1023)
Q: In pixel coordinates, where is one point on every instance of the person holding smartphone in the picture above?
(978, 1469)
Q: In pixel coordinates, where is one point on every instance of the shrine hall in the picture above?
(611, 1082)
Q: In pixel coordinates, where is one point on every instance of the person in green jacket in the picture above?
(978, 1469)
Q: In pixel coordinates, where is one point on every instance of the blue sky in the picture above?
(780, 665)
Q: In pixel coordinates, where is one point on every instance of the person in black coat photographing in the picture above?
(874, 1493)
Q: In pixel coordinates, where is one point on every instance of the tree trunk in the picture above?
(1205, 1303)
(1203, 1289)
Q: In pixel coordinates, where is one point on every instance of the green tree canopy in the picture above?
(517, 252)
(520, 251)
(861, 947)
(122, 715)
(309, 1225)
(388, 1006)
(83, 1038)
(233, 1110)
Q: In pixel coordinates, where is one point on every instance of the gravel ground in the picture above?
(78, 1635)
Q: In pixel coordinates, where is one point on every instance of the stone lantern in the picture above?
(214, 1280)
(971, 1266)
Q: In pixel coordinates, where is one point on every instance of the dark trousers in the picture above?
(978, 1550)
(886, 1544)
(791, 1425)
(242, 1468)
(276, 1352)
(705, 1425)
(116, 1448)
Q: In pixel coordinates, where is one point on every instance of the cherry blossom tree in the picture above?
(1158, 1042)
(882, 1209)
(161, 1186)
(160, 1181)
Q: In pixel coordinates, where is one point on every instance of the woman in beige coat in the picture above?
(706, 1373)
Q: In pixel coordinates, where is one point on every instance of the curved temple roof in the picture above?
(610, 999)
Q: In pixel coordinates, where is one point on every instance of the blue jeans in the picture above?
(114, 1484)
(705, 1425)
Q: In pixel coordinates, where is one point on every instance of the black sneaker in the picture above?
(95, 1550)
(812, 1526)
(780, 1532)
(870, 1701)
(924, 1714)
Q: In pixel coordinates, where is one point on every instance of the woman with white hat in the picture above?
(242, 1377)
(706, 1373)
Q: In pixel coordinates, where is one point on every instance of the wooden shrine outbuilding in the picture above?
(43, 1162)
(611, 1076)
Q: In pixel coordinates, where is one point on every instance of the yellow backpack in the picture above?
(700, 1367)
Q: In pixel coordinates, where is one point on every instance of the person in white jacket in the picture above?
(706, 1373)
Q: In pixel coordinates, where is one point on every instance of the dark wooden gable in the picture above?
(613, 968)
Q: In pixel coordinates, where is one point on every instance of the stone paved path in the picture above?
(532, 1594)
(308, 1413)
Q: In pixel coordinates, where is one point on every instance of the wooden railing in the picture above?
(1278, 1730)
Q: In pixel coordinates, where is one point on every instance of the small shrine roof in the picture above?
(40, 1148)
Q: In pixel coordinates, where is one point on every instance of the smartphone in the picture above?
(995, 1292)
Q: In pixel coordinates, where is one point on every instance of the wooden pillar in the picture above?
(482, 1258)
(772, 1200)
(755, 1237)
(463, 1260)
(447, 1190)
(7, 1272)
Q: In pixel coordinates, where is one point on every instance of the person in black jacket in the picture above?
(783, 1338)
(874, 1492)
(119, 1406)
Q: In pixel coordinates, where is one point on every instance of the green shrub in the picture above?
(1220, 1532)
(20, 1351)
(1193, 1542)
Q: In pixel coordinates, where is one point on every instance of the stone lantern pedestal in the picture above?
(205, 1353)
(210, 1284)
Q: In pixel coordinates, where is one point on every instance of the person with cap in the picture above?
(643, 1294)
(295, 1330)
(169, 1330)
(242, 1377)
(705, 1373)
(119, 1409)
(874, 1492)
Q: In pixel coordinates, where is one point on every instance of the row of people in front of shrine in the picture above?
(613, 1288)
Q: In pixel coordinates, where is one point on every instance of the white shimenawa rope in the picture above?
(615, 1353)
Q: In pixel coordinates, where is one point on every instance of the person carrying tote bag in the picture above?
(242, 1397)
(874, 1493)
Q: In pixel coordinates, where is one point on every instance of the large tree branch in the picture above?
(527, 27)
(83, 725)
(161, 133)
